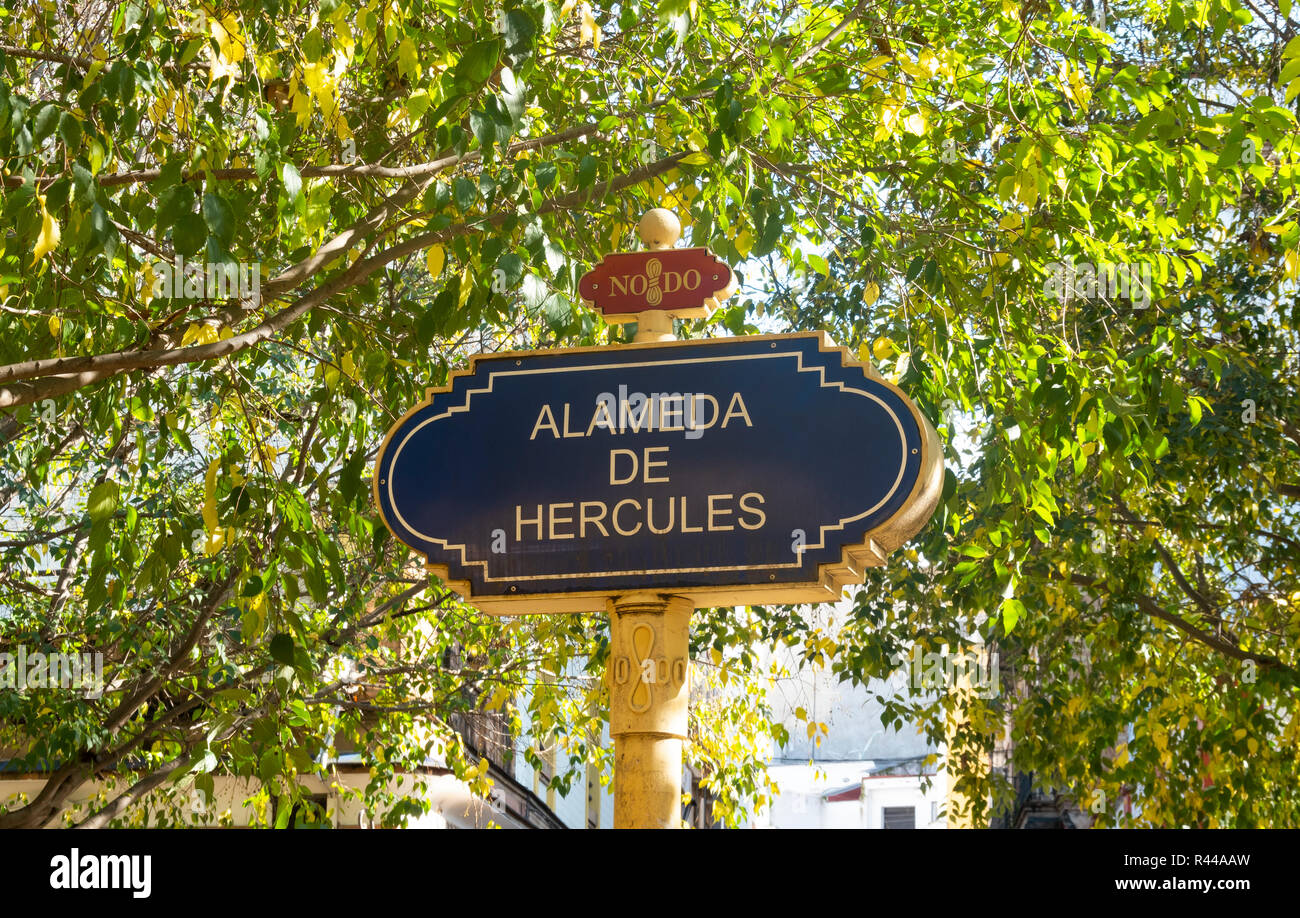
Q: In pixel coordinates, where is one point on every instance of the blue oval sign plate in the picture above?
(763, 469)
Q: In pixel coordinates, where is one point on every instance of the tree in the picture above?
(185, 466)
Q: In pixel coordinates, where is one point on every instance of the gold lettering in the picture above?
(719, 511)
(614, 517)
(648, 464)
(625, 414)
(520, 522)
(737, 410)
(549, 425)
(602, 409)
(576, 433)
(650, 515)
(618, 284)
(613, 466)
(762, 517)
(584, 519)
(694, 421)
(685, 527)
(559, 519)
(676, 412)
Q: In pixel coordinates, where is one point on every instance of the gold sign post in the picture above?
(649, 668)
(650, 682)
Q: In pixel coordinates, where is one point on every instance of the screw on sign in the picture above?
(666, 476)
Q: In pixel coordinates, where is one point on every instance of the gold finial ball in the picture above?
(659, 228)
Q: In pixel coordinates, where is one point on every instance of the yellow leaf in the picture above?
(56, 325)
(871, 293)
(499, 697)
(226, 31)
(1291, 261)
(590, 30)
(883, 348)
(408, 59)
(744, 243)
(435, 260)
(210, 496)
(466, 286)
(48, 240)
(230, 48)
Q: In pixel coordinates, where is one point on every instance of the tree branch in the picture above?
(69, 374)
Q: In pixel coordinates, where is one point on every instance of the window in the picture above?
(898, 817)
(311, 813)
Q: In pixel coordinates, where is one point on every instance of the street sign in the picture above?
(763, 469)
(684, 283)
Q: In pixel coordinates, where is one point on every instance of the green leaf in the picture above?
(292, 181)
(544, 173)
(47, 119)
(483, 127)
(479, 61)
(512, 270)
(219, 218)
(281, 648)
(254, 586)
(1012, 611)
(189, 233)
(519, 31)
(103, 501)
(174, 203)
(83, 183)
(465, 193)
(70, 131)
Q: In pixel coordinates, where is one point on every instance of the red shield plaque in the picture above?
(685, 283)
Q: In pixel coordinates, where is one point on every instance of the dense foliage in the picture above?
(185, 469)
